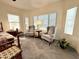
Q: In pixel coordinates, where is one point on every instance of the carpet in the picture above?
(34, 48)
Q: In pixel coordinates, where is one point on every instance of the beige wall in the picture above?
(73, 39)
(6, 9)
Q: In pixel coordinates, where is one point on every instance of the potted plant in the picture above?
(63, 43)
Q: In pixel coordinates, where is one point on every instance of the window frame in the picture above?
(13, 21)
(68, 22)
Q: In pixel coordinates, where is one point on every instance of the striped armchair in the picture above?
(50, 35)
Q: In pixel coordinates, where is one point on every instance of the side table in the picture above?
(39, 36)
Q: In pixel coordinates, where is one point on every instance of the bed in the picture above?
(6, 40)
(7, 48)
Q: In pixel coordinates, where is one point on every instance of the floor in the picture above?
(34, 48)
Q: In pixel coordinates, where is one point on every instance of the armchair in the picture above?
(30, 31)
(50, 35)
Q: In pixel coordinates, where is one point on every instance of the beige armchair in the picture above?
(50, 35)
(31, 31)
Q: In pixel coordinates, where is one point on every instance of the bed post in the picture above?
(1, 27)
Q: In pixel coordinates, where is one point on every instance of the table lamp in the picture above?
(39, 23)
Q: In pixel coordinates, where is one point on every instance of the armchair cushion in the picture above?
(47, 37)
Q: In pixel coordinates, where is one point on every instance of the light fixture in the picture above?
(13, 0)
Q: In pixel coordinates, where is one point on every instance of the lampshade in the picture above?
(39, 22)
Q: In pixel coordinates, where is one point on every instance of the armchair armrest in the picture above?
(53, 36)
(46, 33)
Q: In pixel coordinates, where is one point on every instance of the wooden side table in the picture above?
(39, 36)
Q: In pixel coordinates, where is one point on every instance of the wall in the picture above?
(73, 39)
(6, 9)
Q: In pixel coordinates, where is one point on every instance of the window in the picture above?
(44, 19)
(27, 23)
(13, 21)
(47, 20)
(35, 18)
(52, 19)
(70, 20)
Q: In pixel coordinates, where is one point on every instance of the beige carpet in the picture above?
(34, 48)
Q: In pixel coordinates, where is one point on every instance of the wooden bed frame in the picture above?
(1, 27)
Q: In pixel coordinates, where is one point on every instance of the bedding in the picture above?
(5, 35)
(6, 40)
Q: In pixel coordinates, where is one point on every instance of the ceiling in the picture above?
(29, 4)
